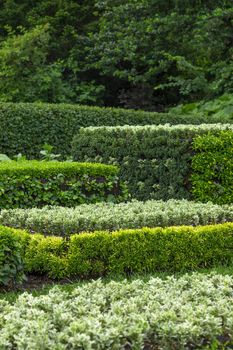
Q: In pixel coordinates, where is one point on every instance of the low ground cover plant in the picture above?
(27, 184)
(64, 221)
(124, 252)
(190, 312)
(155, 160)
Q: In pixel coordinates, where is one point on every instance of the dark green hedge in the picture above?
(26, 127)
(123, 252)
(212, 166)
(35, 184)
(155, 160)
(12, 249)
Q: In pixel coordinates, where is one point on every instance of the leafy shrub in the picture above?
(212, 166)
(145, 250)
(35, 184)
(11, 252)
(155, 160)
(156, 313)
(122, 252)
(149, 250)
(46, 255)
(108, 216)
(26, 127)
(218, 110)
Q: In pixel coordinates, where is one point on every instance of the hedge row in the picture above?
(155, 160)
(35, 184)
(108, 216)
(190, 312)
(122, 252)
(212, 167)
(26, 127)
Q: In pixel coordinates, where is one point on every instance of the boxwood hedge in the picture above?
(124, 252)
(155, 160)
(26, 127)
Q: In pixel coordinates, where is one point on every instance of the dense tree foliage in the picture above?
(145, 54)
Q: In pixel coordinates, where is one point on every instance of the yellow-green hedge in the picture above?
(123, 252)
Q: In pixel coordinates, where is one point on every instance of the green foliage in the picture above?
(11, 252)
(29, 184)
(155, 160)
(47, 154)
(169, 51)
(46, 256)
(24, 75)
(149, 250)
(172, 313)
(26, 127)
(123, 252)
(138, 54)
(212, 166)
(62, 221)
(217, 110)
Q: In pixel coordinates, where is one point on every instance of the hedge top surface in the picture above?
(161, 127)
(35, 167)
(108, 216)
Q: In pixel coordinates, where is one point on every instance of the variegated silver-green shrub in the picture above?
(107, 216)
(190, 312)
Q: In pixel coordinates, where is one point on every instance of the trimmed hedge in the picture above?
(190, 312)
(26, 127)
(123, 252)
(108, 216)
(155, 160)
(148, 250)
(212, 166)
(35, 184)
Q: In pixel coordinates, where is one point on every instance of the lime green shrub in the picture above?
(61, 221)
(149, 250)
(35, 184)
(155, 160)
(212, 165)
(123, 252)
(46, 256)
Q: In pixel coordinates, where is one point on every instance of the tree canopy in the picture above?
(141, 54)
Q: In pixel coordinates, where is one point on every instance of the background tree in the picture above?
(146, 54)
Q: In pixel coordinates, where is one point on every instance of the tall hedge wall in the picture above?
(155, 160)
(25, 127)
